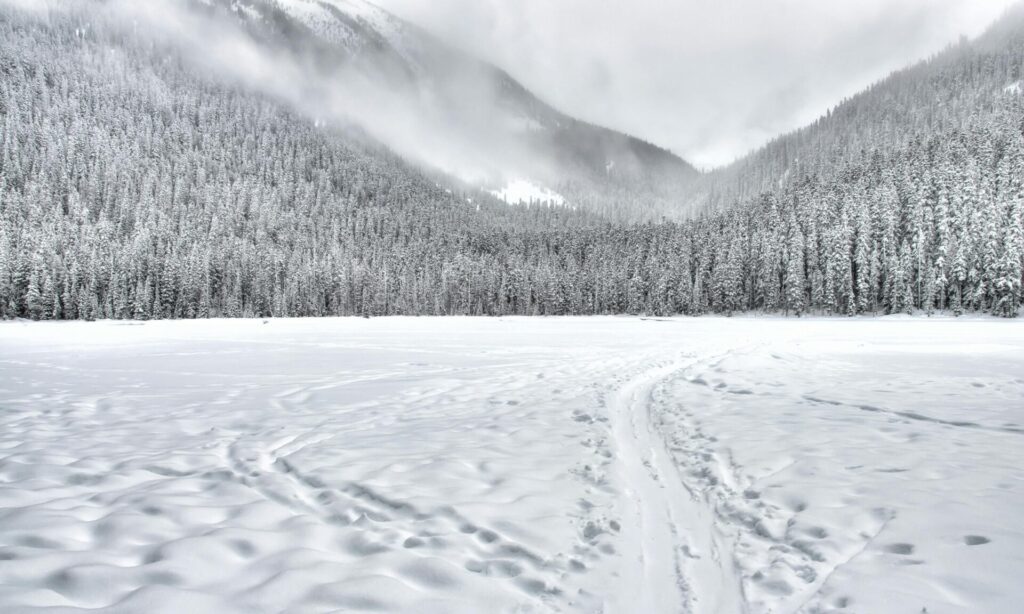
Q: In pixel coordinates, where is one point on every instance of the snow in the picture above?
(522, 191)
(522, 124)
(250, 11)
(316, 14)
(614, 464)
(319, 19)
(407, 44)
(367, 11)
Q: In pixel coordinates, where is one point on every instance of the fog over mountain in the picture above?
(709, 80)
(384, 311)
(349, 64)
(203, 158)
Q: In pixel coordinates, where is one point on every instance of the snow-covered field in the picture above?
(420, 465)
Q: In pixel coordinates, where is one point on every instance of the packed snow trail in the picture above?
(573, 465)
(652, 580)
(669, 526)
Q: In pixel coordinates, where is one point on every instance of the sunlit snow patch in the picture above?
(521, 191)
(521, 123)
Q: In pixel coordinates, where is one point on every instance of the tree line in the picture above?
(132, 187)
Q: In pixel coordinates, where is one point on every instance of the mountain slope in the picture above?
(136, 182)
(941, 95)
(472, 119)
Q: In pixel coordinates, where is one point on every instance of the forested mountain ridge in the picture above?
(940, 95)
(501, 130)
(134, 186)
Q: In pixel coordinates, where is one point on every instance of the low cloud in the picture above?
(414, 122)
(710, 80)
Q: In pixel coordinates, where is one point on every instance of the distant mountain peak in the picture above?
(471, 118)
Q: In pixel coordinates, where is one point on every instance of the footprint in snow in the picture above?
(900, 549)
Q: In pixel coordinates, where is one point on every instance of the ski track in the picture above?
(522, 472)
(681, 563)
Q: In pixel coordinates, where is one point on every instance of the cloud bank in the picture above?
(710, 80)
(331, 89)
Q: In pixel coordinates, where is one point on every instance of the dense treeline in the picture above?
(944, 94)
(133, 187)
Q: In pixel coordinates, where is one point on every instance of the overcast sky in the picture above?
(709, 79)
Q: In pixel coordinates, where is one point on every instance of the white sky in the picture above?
(709, 79)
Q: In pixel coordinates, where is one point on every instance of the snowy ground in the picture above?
(424, 465)
(523, 192)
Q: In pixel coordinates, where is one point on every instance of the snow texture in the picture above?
(512, 465)
(523, 192)
(322, 18)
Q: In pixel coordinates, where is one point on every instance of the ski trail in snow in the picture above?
(587, 466)
(675, 558)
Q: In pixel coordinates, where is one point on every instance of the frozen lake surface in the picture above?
(423, 465)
